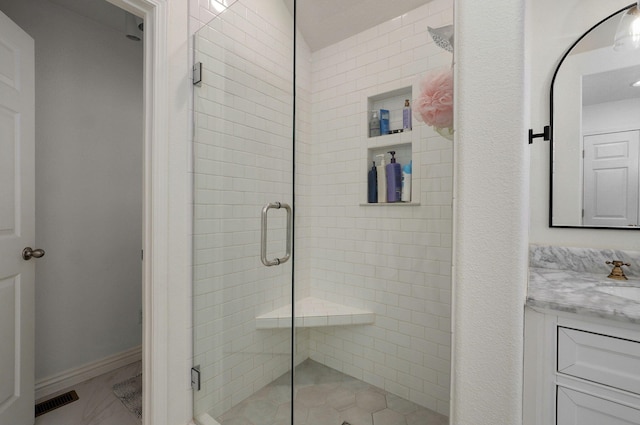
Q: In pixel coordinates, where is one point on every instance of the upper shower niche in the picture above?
(394, 103)
(396, 136)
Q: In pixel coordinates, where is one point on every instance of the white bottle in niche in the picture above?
(406, 182)
(382, 179)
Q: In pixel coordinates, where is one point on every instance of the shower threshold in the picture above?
(325, 396)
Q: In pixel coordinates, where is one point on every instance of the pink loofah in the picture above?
(434, 106)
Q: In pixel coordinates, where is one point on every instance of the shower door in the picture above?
(243, 196)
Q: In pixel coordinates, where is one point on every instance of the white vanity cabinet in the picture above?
(578, 408)
(580, 371)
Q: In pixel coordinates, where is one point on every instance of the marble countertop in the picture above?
(576, 292)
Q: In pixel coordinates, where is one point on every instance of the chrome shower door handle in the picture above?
(263, 237)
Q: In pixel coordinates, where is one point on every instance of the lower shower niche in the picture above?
(313, 312)
(326, 396)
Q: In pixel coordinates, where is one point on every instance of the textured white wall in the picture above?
(172, 324)
(568, 146)
(88, 186)
(552, 27)
(490, 213)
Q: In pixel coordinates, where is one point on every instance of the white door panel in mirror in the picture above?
(611, 179)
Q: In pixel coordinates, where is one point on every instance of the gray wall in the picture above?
(88, 186)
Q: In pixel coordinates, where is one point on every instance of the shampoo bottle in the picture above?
(406, 182)
(394, 179)
(406, 116)
(372, 185)
(382, 179)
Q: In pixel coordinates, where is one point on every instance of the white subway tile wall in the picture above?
(392, 260)
(395, 261)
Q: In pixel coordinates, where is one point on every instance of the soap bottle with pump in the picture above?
(372, 185)
(394, 179)
(406, 182)
(382, 179)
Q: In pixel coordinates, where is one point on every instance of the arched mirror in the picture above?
(595, 131)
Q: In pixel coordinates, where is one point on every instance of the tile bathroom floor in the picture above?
(96, 404)
(325, 396)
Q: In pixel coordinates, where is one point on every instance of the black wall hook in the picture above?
(545, 134)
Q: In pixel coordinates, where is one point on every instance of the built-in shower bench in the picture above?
(314, 312)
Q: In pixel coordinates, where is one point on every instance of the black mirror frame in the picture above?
(553, 80)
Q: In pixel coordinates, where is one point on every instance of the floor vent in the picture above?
(55, 402)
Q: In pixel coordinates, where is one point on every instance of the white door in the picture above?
(17, 224)
(611, 179)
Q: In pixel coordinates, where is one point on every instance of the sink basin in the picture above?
(629, 292)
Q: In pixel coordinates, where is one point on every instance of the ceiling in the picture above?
(325, 22)
(607, 86)
(610, 86)
(322, 22)
(99, 11)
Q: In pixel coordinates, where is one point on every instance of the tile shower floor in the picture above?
(325, 396)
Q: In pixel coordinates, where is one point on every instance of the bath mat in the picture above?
(130, 394)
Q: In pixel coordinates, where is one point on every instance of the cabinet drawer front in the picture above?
(607, 360)
(576, 408)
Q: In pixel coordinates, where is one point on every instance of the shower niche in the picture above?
(392, 101)
(398, 139)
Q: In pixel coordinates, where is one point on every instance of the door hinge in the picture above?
(197, 74)
(195, 378)
(546, 133)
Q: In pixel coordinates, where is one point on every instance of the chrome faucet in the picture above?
(616, 272)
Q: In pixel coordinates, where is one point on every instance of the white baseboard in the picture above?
(205, 419)
(71, 377)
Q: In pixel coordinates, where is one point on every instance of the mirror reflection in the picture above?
(596, 133)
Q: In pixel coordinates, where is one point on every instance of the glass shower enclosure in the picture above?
(243, 183)
(312, 305)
